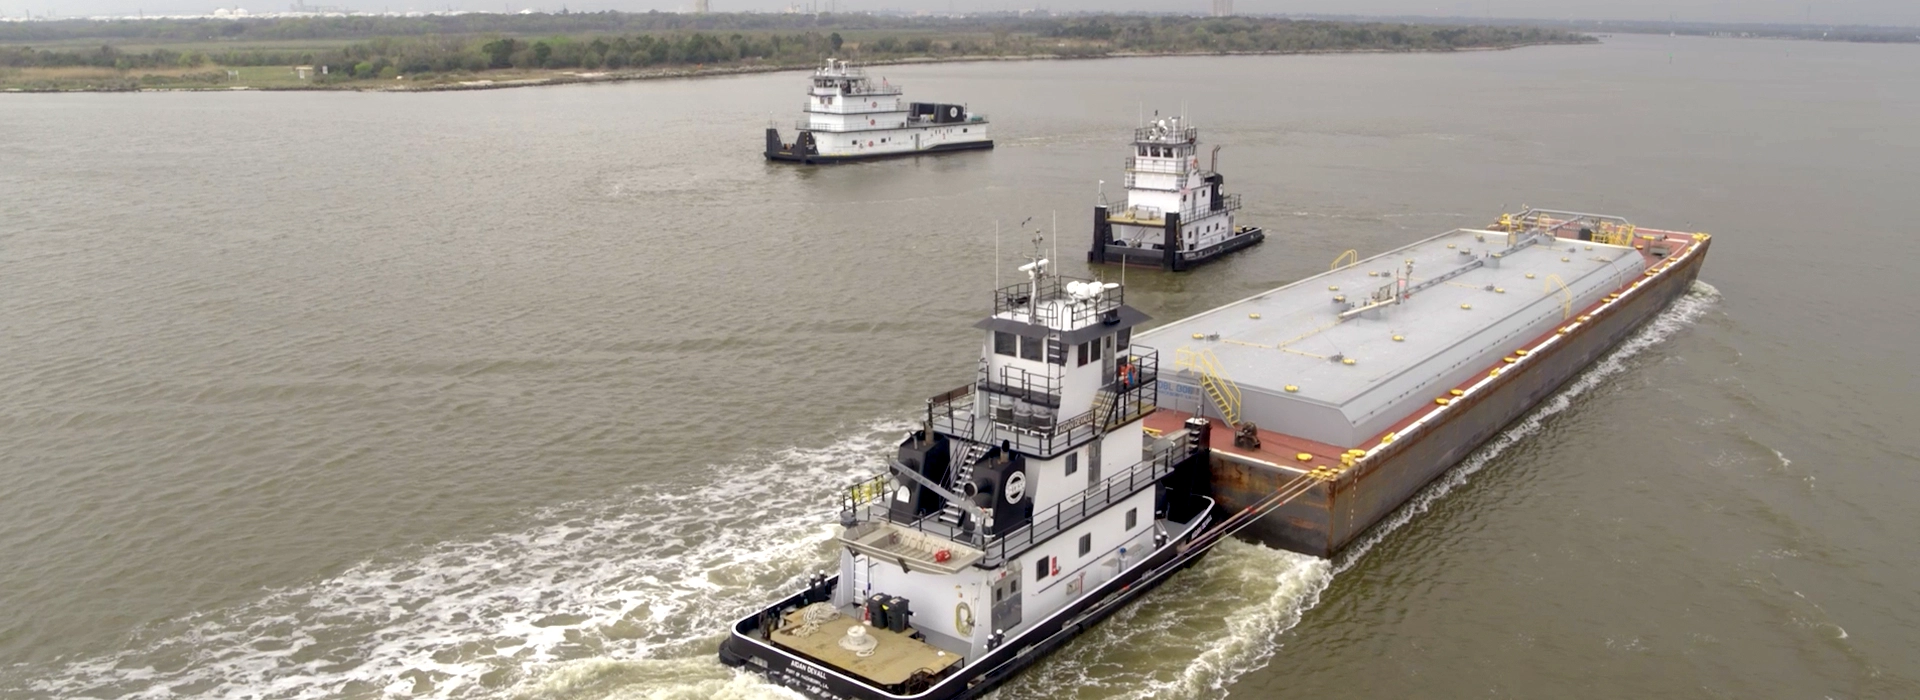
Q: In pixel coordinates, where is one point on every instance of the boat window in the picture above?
(1126, 336)
(1003, 343)
(1133, 517)
(1040, 568)
(1084, 354)
(1073, 463)
(1086, 544)
(1030, 348)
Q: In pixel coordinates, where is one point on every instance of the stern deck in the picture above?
(896, 655)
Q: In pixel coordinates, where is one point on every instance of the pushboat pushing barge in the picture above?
(1005, 526)
(850, 117)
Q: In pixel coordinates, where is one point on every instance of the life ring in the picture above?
(963, 619)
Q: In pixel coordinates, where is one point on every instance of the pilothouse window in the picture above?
(1030, 348)
(1003, 343)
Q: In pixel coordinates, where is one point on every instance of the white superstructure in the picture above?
(1031, 503)
(1175, 213)
(850, 116)
(1163, 176)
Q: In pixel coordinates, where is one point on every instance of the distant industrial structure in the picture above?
(1223, 8)
(699, 7)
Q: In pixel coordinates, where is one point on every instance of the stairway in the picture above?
(1213, 380)
(1104, 405)
(962, 472)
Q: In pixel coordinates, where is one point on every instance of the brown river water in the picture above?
(523, 393)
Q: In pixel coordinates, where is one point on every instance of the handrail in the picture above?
(1157, 135)
(1566, 303)
(1134, 164)
(1137, 395)
(1352, 257)
(810, 125)
(1066, 514)
(1224, 392)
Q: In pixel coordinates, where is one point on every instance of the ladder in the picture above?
(962, 472)
(1213, 380)
(1105, 404)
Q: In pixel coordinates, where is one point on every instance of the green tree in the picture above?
(836, 41)
(541, 52)
(499, 52)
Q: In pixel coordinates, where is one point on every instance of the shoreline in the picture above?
(703, 72)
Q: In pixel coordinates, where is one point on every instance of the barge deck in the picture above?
(1389, 377)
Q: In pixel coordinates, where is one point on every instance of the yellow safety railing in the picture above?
(1566, 295)
(1224, 392)
(1611, 234)
(1351, 257)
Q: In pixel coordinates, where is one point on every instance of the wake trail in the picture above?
(628, 599)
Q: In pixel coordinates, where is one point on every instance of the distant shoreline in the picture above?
(556, 78)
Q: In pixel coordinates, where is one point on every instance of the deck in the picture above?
(896, 656)
(1278, 449)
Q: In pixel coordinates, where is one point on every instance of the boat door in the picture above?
(1106, 358)
(1006, 601)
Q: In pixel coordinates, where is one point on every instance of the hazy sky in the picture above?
(1894, 12)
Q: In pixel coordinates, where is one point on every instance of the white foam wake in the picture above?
(627, 600)
(1684, 311)
(651, 579)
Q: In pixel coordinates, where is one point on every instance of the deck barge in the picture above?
(1384, 372)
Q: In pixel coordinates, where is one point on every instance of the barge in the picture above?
(1177, 214)
(1384, 372)
(851, 117)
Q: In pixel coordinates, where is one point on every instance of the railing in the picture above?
(1213, 379)
(1157, 135)
(1229, 202)
(866, 502)
(1037, 433)
(1037, 388)
(808, 125)
(1558, 222)
(1136, 165)
(1059, 518)
(1078, 312)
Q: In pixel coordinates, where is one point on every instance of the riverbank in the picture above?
(469, 52)
(545, 78)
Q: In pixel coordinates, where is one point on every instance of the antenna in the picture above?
(996, 256)
(1056, 234)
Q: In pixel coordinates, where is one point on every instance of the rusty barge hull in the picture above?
(1365, 483)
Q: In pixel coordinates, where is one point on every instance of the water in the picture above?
(520, 394)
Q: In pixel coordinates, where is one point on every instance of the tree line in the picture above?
(434, 53)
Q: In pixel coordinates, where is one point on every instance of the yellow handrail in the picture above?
(1351, 256)
(1566, 301)
(1213, 379)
